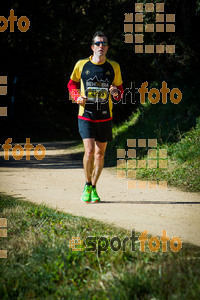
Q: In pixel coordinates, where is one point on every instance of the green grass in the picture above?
(183, 162)
(40, 264)
(183, 147)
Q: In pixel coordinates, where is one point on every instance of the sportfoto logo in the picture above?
(164, 91)
(154, 95)
(102, 244)
(3, 233)
(18, 150)
(143, 11)
(23, 22)
(128, 163)
(3, 92)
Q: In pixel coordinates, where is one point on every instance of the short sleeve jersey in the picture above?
(95, 81)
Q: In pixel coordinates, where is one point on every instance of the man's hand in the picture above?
(114, 91)
(81, 100)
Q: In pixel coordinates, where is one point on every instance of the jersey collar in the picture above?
(90, 58)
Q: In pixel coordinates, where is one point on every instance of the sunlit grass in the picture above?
(40, 263)
(183, 150)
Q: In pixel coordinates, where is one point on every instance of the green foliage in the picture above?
(60, 34)
(40, 262)
(188, 148)
(183, 149)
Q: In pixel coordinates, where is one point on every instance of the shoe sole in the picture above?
(86, 201)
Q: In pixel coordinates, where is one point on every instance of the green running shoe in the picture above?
(86, 196)
(94, 196)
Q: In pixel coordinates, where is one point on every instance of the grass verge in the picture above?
(183, 155)
(40, 264)
(183, 162)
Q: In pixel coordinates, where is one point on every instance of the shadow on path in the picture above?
(53, 161)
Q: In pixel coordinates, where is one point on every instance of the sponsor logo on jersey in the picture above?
(95, 82)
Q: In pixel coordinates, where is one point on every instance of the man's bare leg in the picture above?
(93, 162)
(99, 154)
(88, 159)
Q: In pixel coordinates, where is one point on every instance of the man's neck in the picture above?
(98, 59)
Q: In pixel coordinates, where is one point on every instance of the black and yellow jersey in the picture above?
(95, 80)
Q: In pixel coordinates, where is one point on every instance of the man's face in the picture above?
(100, 50)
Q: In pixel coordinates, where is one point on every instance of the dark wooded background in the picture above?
(60, 33)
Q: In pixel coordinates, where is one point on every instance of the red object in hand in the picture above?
(74, 89)
(120, 91)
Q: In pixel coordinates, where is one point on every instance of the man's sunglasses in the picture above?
(99, 43)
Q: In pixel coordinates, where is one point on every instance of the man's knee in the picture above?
(99, 156)
(89, 153)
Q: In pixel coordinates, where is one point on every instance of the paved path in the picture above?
(58, 181)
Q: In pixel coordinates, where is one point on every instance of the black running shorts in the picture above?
(100, 131)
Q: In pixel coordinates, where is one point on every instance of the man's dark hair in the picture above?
(99, 33)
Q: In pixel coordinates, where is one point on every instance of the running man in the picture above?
(93, 81)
